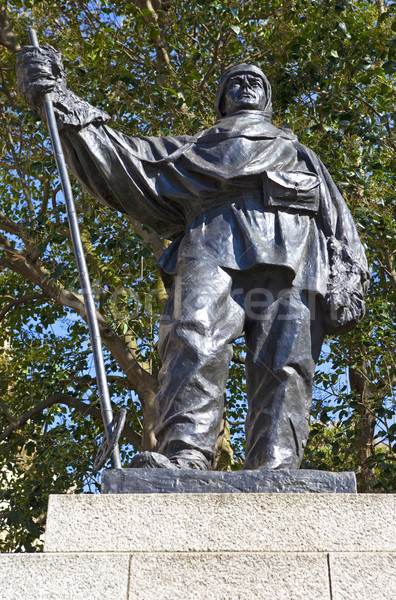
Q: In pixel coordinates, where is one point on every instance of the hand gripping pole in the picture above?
(113, 427)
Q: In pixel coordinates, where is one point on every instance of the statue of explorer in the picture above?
(263, 244)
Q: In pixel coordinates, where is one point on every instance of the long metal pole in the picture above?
(105, 404)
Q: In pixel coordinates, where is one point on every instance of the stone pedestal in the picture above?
(201, 546)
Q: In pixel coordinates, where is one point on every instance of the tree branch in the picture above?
(150, 237)
(21, 300)
(380, 7)
(390, 270)
(142, 382)
(238, 359)
(212, 64)
(160, 45)
(6, 410)
(379, 115)
(22, 177)
(86, 409)
(390, 457)
(7, 35)
(6, 224)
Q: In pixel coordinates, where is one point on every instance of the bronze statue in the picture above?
(263, 243)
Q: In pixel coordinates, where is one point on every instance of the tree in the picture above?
(153, 66)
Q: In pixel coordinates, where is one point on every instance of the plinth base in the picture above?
(182, 481)
(210, 547)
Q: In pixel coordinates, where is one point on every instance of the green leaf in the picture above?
(154, 33)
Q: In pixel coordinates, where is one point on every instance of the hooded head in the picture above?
(242, 69)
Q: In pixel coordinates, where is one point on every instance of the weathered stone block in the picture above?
(229, 576)
(222, 523)
(365, 576)
(63, 576)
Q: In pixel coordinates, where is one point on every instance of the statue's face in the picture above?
(244, 91)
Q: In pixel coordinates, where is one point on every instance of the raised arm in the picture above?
(118, 170)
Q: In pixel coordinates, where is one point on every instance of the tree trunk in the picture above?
(364, 427)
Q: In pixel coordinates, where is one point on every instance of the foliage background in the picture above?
(153, 66)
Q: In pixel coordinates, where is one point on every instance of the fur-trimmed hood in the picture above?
(242, 68)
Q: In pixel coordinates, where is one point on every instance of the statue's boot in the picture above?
(152, 460)
(184, 459)
(190, 459)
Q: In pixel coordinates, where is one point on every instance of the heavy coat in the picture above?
(239, 194)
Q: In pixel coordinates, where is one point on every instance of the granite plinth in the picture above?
(183, 481)
(210, 547)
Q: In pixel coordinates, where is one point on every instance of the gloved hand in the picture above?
(39, 71)
(344, 300)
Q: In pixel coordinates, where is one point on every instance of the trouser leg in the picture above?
(283, 340)
(199, 323)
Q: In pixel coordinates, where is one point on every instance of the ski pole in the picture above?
(112, 429)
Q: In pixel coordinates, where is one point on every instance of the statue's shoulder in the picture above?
(287, 132)
(308, 154)
(248, 124)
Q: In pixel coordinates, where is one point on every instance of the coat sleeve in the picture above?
(121, 171)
